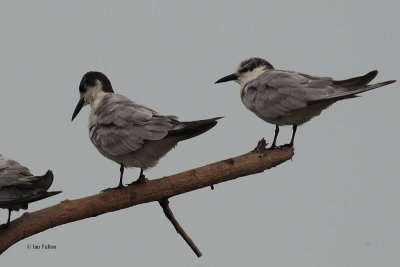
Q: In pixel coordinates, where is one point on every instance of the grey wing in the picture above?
(15, 197)
(122, 126)
(276, 93)
(14, 174)
(13, 193)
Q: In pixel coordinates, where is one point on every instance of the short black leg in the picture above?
(3, 226)
(273, 146)
(121, 170)
(9, 216)
(293, 134)
(120, 185)
(142, 179)
(292, 140)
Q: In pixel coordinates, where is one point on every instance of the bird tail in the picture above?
(353, 93)
(189, 129)
(351, 87)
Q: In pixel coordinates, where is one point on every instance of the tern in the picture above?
(284, 97)
(19, 187)
(130, 134)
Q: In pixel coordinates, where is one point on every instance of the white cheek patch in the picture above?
(93, 93)
(250, 75)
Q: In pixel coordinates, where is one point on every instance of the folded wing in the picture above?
(276, 93)
(122, 126)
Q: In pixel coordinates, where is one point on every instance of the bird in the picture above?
(128, 133)
(19, 187)
(284, 97)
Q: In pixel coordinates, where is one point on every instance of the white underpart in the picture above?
(146, 157)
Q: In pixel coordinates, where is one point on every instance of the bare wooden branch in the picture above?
(164, 203)
(153, 190)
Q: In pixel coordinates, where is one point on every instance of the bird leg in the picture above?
(9, 216)
(292, 140)
(293, 134)
(120, 185)
(5, 225)
(273, 146)
(121, 170)
(141, 180)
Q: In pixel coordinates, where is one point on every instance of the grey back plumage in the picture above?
(119, 126)
(276, 94)
(12, 173)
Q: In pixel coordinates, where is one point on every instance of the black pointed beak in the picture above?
(78, 108)
(231, 77)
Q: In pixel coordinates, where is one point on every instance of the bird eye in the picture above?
(82, 88)
(244, 70)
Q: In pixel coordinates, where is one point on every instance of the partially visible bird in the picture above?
(19, 187)
(128, 133)
(285, 97)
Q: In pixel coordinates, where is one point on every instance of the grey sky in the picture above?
(335, 204)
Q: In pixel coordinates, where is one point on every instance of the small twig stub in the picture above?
(261, 146)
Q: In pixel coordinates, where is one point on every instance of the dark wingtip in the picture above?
(375, 72)
(49, 173)
(370, 76)
(48, 179)
(194, 128)
(389, 82)
(52, 193)
(357, 81)
(217, 118)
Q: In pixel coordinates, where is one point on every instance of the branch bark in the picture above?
(68, 211)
